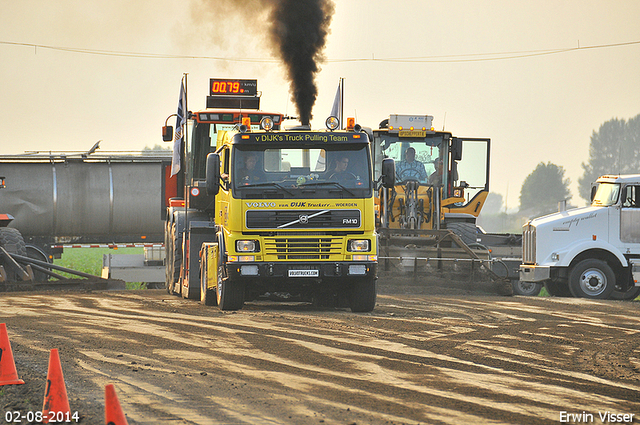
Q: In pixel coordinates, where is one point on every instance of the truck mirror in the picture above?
(456, 149)
(213, 174)
(388, 173)
(594, 188)
(167, 133)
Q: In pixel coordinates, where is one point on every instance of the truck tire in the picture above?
(529, 289)
(38, 254)
(629, 295)
(229, 293)
(592, 278)
(12, 241)
(363, 295)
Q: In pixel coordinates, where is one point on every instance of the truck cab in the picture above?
(591, 252)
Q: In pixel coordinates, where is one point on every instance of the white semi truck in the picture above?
(589, 252)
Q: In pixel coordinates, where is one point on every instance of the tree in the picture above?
(543, 189)
(493, 205)
(614, 149)
(157, 147)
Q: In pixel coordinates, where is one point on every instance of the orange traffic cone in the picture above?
(8, 372)
(55, 396)
(112, 411)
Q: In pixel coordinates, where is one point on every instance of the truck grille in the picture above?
(296, 248)
(529, 244)
(311, 219)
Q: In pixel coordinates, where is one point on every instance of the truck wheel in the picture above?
(11, 240)
(363, 295)
(229, 294)
(530, 289)
(631, 294)
(592, 278)
(557, 289)
(38, 254)
(207, 296)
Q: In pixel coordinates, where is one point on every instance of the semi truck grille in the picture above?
(312, 219)
(292, 248)
(529, 244)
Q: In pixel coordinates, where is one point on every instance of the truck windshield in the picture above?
(606, 195)
(342, 171)
(416, 159)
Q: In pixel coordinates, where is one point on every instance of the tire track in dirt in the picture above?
(413, 360)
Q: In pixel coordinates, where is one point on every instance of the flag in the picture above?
(336, 110)
(180, 124)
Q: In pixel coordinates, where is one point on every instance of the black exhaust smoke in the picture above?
(299, 30)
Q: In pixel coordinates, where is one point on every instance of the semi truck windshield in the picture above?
(298, 172)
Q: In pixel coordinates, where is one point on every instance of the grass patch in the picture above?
(89, 260)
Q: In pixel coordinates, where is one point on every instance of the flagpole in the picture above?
(342, 103)
(183, 149)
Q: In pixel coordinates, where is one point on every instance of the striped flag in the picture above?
(180, 124)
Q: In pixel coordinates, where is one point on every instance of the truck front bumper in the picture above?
(302, 271)
(529, 273)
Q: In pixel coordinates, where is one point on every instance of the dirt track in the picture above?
(422, 356)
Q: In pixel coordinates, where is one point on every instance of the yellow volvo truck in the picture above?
(274, 213)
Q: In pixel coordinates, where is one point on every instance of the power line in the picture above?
(473, 57)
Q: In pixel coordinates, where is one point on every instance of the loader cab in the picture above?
(465, 166)
(443, 174)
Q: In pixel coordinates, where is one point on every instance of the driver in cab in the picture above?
(409, 168)
(249, 173)
(339, 172)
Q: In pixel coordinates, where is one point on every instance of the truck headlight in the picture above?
(247, 246)
(358, 245)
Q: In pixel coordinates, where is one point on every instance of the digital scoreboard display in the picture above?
(226, 87)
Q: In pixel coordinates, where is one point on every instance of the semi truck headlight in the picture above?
(247, 246)
(358, 245)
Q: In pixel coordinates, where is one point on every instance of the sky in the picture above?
(536, 77)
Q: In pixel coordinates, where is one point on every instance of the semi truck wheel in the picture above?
(37, 253)
(631, 294)
(530, 289)
(11, 240)
(592, 278)
(229, 293)
(363, 295)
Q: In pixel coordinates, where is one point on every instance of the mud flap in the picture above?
(208, 273)
(211, 264)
